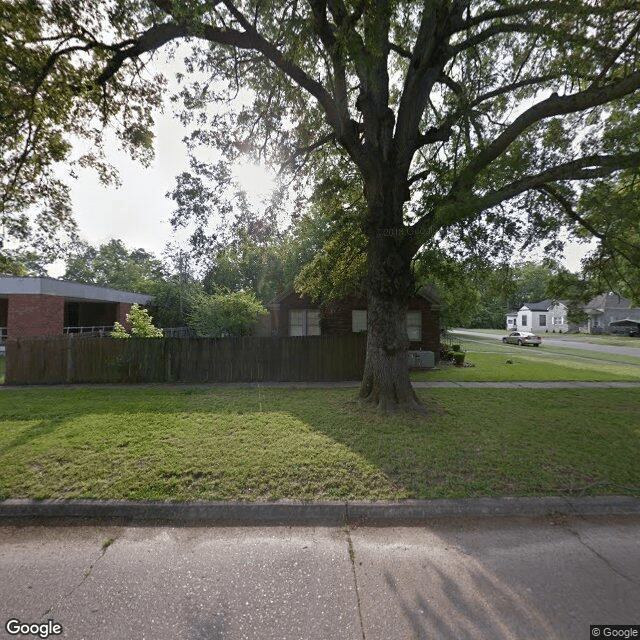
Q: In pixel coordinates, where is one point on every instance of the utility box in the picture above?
(421, 360)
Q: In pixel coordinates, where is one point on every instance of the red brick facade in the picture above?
(336, 317)
(34, 315)
(29, 315)
(121, 314)
(41, 306)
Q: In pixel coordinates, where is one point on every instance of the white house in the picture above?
(545, 316)
(512, 318)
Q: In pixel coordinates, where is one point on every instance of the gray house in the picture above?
(611, 313)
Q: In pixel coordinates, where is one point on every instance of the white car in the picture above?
(521, 338)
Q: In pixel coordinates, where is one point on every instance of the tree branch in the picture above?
(572, 214)
(306, 151)
(494, 30)
(430, 53)
(568, 209)
(595, 166)
(152, 39)
(404, 53)
(272, 53)
(552, 106)
(460, 206)
(542, 5)
(615, 55)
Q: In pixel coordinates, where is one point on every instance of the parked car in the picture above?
(521, 338)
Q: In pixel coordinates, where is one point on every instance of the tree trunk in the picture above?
(385, 382)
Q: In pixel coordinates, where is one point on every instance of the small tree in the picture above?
(141, 325)
(226, 314)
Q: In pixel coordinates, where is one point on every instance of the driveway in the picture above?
(483, 578)
(566, 343)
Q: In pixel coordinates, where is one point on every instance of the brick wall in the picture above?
(121, 314)
(336, 319)
(34, 315)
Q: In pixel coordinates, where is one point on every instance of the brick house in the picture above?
(48, 307)
(294, 315)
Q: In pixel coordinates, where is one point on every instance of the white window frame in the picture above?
(358, 320)
(308, 324)
(414, 326)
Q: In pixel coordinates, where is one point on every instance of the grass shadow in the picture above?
(222, 443)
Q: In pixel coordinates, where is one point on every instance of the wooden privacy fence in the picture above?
(77, 359)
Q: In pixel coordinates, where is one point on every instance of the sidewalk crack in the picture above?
(601, 557)
(86, 575)
(352, 559)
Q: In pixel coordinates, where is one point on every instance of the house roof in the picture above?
(428, 292)
(607, 301)
(13, 285)
(543, 305)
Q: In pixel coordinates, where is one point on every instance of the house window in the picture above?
(523, 321)
(414, 326)
(358, 320)
(542, 321)
(304, 322)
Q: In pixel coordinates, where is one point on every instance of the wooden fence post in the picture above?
(70, 373)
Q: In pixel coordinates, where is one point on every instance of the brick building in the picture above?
(48, 307)
(294, 315)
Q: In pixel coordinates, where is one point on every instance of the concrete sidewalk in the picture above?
(509, 578)
(347, 384)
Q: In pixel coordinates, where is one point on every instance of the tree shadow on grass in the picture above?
(41, 428)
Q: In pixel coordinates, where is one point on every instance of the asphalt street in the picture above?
(566, 343)
(493, 578)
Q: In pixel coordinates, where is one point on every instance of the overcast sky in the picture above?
(138, 212)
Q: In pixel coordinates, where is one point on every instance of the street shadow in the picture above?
(453, 595)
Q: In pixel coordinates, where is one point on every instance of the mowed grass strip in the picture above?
(496, 362)
(524, 365)
(194, 443)
(604, 339)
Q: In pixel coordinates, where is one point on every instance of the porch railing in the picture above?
(88, 331)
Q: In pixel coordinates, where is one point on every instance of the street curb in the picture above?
(293, 513)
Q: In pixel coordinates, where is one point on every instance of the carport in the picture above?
(627, 327)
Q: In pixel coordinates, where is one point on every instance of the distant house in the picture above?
(294, 315)
(611, 313)
(541, 317)
(33, 306)
(512, 318)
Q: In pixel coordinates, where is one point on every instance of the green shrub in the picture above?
(141, 325)
(228, 314)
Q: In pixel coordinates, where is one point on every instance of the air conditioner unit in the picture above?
(421, 359)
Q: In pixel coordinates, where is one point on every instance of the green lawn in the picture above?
(197, 443)
(619, 341)
(495, 362)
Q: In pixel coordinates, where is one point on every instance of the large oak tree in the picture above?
(449, 114)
